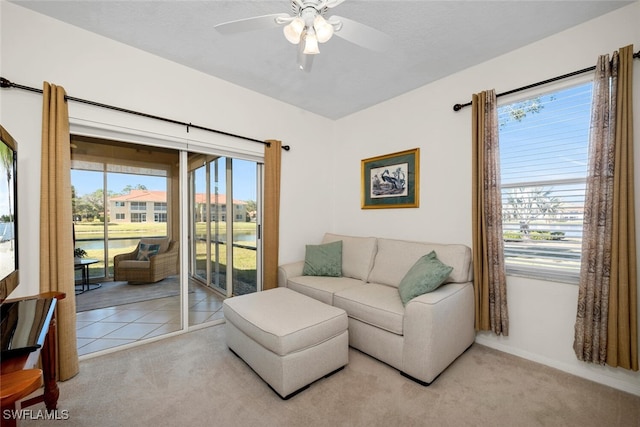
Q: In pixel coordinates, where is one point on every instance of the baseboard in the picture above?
(564, 367)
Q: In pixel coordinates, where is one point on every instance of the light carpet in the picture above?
(194, 380)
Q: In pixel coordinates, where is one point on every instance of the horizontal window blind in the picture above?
(544, 144)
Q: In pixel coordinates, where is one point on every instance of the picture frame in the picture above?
(391, 180)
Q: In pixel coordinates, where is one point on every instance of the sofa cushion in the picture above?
(132, 263)
(426, 275)
(162, 241)
(357, 254)
(146, 251)
(394, 258)
(322, 288)
(323, 260)
(377, 305)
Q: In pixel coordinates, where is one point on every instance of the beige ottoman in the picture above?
(288, 339)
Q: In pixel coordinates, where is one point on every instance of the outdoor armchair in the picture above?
(135, 269)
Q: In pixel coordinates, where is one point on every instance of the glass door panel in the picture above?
(137, 208)
(218, 224)
(200, 223)
(225, 217)
(87, 198)
(122, 193)
(244, 190)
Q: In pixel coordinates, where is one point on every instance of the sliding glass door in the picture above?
(224, 223)
(126, 215)
(130, 198)
(118, 197)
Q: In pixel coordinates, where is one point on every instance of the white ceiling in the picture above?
(432, 39)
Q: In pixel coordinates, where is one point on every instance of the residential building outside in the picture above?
(151, 206)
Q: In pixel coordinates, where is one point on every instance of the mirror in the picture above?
(8, 215)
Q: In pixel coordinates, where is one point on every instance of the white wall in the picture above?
(35, 48)
(542, 314)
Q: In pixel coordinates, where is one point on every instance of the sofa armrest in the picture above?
(125, 256)
(438, 327)
(286, 271)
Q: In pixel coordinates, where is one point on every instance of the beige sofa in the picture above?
(420, 339)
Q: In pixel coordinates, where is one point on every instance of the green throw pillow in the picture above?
(323, 260)
(146, 251)
(426, 275)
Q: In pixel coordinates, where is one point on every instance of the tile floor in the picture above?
(114, 326)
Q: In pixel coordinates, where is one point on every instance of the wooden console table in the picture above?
(28, 331)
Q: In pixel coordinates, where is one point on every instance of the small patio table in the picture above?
(83, 264)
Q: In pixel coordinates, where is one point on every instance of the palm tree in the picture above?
(6, 161)
(526, 204)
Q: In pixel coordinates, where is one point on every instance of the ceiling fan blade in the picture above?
(304, 61)
(263, 22)
(333, 3)
(363, 35)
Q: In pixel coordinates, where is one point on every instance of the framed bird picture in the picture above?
(391, 181)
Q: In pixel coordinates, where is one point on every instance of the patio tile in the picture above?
(152, 304)
(161, 316)
(95, 315)
(99, 329)
(207, 305)
(134, 331)
(216, 316)
(125, 316)
(198, 317)
(84, 341)
(163, 329)
(114, 326)
(80, 325)
(102, 344)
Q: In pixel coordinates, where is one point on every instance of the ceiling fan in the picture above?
(308, 25)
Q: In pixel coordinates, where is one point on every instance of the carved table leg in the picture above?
(51, 390)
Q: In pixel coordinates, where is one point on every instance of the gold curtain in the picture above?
(56, 237)
(489, 279)
(606, 321)
(271, 221)
(623, 292)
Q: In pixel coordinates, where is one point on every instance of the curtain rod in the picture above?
(4, 83)
(459, 107)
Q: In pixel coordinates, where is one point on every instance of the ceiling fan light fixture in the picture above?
(322, 28)
(310, 43)
(293, 31)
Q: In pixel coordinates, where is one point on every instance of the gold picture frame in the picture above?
(391, 181)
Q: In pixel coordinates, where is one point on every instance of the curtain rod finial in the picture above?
(286, 148)
(457, 107)
(4, 82)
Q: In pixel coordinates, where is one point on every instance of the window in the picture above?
(160, 206)
(544, 144)
(120, 216)
(138, 206)
(119, 204)
(160, 217)
(138, 217)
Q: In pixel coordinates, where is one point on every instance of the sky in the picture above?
(554, 140)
